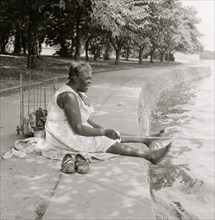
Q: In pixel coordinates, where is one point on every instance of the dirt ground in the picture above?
(47, 67)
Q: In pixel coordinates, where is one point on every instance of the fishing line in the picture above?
(117, 191)
(176, 138)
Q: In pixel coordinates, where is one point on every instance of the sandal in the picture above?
(81, 164)
(68, 164)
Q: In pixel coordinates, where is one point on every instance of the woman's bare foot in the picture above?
(156, 156)
(148, 142)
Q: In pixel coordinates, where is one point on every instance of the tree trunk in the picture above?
(118, 51)
(152, 53)
(72, 48)
(63, 52)
(3, 48)
(127, 53)
(29, 47)
(117, 45)
(167, 56)
(140, 55)
(86, 52)
(24, 42)
(77, 39)
(33, 53)
(17, 43)
(4, 42)
(151, 57)
(107, 51)
(32, 49)
(161, 57)
(87, 49)
(95, 56)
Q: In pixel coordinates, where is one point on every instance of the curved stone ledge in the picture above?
(153, 87)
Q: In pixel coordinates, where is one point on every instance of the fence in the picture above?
(34, 96)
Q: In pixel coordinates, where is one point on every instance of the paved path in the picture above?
(27, 184)
(113, 189)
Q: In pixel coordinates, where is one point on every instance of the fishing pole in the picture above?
(176, 138)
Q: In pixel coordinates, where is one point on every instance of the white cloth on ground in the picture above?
(22, 148)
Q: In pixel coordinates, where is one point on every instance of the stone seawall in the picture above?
(154, 86)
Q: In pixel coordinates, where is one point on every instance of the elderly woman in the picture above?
(69, 126)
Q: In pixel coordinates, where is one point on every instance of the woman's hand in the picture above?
(112, 134)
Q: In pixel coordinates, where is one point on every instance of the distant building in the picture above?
(49, 50)
(186, 58)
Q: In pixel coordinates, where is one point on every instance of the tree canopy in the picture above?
(99, 26)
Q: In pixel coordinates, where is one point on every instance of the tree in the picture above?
(189, 41)
(23, 20)
(68, 25)
(127, 48)
(171, 27)
(166, 35)
(35, 11)
(107, 49)
(163, 26)
(7, 22)
(60, 28)
(82, 15)
(142, 43)
(114, 17)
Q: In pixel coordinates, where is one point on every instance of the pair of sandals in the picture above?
(78, 164)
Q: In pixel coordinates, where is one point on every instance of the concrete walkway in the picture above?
(117, 188)
(34, 187)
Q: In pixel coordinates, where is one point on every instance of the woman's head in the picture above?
(76, 68)
(80, 74)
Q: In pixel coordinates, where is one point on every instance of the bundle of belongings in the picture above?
(35, 143)
(33, 125)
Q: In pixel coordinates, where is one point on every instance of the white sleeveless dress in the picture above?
(60, 135)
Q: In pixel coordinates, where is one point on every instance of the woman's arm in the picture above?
(69, 103)
(93, 123)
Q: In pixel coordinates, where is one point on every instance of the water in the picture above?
(182, 186)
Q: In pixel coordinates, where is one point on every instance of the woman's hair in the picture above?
(77, 67)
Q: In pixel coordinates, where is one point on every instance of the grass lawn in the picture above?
(51, 66)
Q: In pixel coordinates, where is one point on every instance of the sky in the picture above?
(205, 9)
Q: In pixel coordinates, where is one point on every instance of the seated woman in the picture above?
(69, 126)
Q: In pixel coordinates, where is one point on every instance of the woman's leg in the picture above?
(125, 138)
(153, 156)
